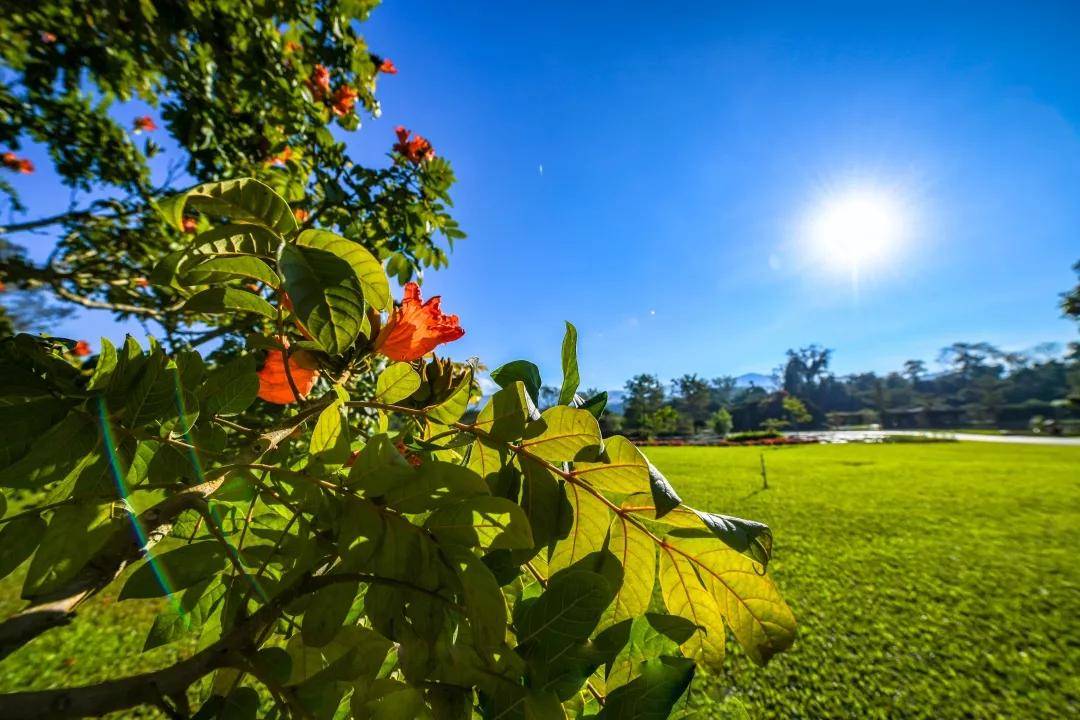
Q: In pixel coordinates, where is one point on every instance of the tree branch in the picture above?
(173, 681)
(124, 547)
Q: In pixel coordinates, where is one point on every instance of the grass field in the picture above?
(929, 580)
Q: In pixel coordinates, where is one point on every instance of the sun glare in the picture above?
(856, 231)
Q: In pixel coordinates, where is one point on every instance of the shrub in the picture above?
(318, 512)
(721, 422)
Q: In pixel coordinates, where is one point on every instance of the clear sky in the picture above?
(656, 173)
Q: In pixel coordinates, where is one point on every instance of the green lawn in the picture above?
(930, 581)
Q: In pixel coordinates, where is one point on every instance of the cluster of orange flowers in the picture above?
(415, 149)
(281, 158)
(144, 123)
(341, 100)
(18, 164)
(413, 330)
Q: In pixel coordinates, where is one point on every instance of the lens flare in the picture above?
(116, 466)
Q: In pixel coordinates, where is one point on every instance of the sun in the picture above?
(856, 230)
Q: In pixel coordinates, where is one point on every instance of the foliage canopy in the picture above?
(375, 549)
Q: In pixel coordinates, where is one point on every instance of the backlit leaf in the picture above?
(591, 519)
(653, 694)
(563, 434)
(623, 469)
(506, 413)
(482, 521)
(636, 552)
(450, 410)
(397, 382)
(571, 377)
(746, 598)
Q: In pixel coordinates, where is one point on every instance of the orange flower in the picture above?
(19, 165)
(190, 224)
(343, 101)
(3, 287)
(301, 214)
(274, 382)
(414, 329)
(142, 282)
(384, 65)
(415, 149)
(291, 46)
(47, 37)
(319, 82)
(145, 123)
(82, 348)
(282, 157)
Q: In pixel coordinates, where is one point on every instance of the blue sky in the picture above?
(685, 148)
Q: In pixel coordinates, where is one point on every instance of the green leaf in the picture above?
(636, 552)
(244, 200)
(330, 443)
(397, 382)
(230, 388)
(74, 534)
(665, 499)
(174, 570)
(387, 699)
(563, 434)
(519, 370)
(19, 539)
(704, 580)
(188, 615)
(591, 520)
(378, 467)
(645, 637)
(623, 468)
(325, 293)
(435, 484)
(241, 703)
(652, 695)
(222, 269)
(230, 240)
(76, 434)
(596, 404)
(506, 413)
(485, 605)
(103, 369)
(571, 377)
(565, 614)
(752, 539)
(452, 408)
(368, 269)
(227, 300)
(482, 521)
(545, 504)
(326, 613)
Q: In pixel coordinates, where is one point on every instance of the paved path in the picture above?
(871, 435)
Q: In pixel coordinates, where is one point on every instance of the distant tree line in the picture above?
(978, 385)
